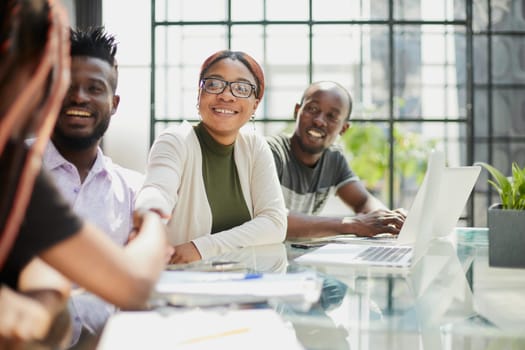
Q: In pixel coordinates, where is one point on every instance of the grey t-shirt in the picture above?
(306, 189)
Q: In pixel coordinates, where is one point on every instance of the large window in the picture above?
(422, 73)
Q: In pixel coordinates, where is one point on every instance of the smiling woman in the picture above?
(217, 185)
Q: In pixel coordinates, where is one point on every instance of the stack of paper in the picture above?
(214, 288)
(198, 329)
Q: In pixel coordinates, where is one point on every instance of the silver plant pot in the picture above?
(506, 237)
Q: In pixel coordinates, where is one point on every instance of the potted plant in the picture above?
(506, 220)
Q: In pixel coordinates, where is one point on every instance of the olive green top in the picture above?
(223, 188)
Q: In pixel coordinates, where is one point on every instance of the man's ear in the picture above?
(345, 127)
(116, 101)
(296, 110)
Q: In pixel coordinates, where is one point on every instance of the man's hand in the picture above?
(185, 253)
(375, 222)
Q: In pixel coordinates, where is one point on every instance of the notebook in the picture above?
(434, 213)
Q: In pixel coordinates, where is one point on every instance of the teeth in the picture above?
(225, 111)
(315, 133)
(78, 113)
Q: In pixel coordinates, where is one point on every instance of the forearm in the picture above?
(38, 276)
(264, 229)
(147, 250)
(133, 269)
(370, 224)
(300, 225)
(371, 204)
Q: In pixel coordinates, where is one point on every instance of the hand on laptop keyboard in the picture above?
(380, 221)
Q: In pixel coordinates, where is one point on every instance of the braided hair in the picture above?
(34, 47)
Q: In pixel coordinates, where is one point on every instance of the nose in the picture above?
(227, 94)
(319, 119)
(78, 95)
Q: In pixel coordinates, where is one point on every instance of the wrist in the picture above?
(53, 300)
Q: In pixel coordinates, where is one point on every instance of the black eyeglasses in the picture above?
(238, 88)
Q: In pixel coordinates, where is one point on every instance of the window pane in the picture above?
(430, 70)
(480, 53)
(430, 10)
(287, 44)
(286, 67)
(247, 10)
(339, 54)
(185, 10)
(336, 52)
(508, 112)
(248, 38)
(287, 10)
(509, 15)
(189, 44)
(179, 55)
(480, 15)
(285, 91)
(508, 59)
(481, 111)
(330, 10)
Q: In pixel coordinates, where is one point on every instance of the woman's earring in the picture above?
(253, 121)
(198, 110)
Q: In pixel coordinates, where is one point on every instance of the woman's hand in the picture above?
(185, 253)
(22, 318)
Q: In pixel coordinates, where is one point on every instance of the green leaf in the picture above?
(511, 191)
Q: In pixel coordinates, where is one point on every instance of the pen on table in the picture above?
(205, 277)
(233, 277)
(214, 336)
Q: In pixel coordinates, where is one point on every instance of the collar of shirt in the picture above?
(53, 159)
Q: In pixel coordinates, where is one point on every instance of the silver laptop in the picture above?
(435, 211)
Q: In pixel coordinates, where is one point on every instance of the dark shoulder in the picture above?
(335, 151)
(280, 145)
(279, 142)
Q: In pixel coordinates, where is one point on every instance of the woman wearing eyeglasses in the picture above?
(216, 185)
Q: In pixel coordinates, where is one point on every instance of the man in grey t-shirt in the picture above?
(311, 168)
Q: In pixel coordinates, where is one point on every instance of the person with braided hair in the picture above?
(42, 242)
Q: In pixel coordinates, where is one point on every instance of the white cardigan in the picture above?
(174, 184)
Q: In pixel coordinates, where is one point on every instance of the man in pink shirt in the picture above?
(98, 190)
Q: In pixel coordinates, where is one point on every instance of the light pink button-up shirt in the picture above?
(105, 198)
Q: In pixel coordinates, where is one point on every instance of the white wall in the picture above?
(127, 139)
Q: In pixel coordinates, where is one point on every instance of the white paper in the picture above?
(198, 329)
(304, 287)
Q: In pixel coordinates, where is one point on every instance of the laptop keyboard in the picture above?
(390, 254)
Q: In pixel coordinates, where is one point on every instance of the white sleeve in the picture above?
(163, 174)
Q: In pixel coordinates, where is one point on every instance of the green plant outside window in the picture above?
(368, 149)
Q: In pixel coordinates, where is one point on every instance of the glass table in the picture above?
(449, 299)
